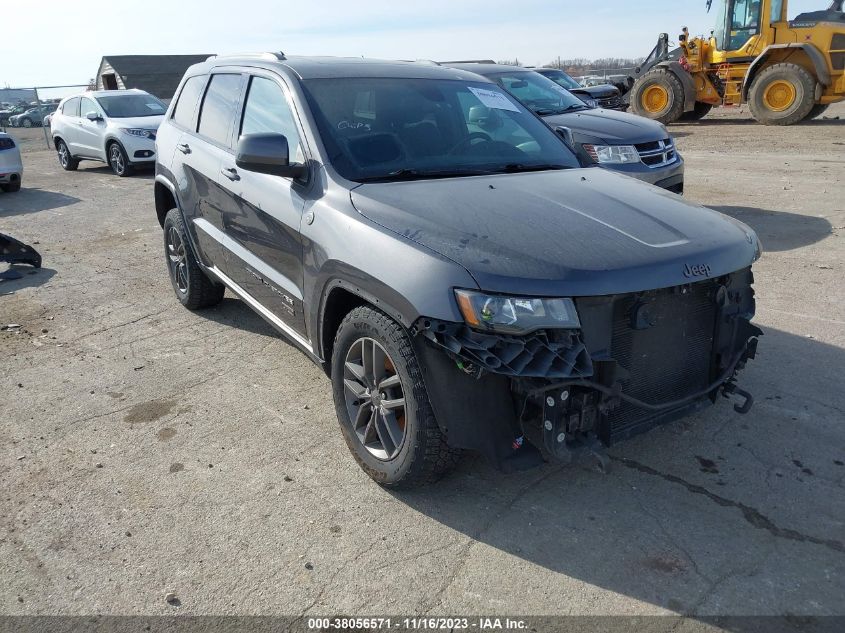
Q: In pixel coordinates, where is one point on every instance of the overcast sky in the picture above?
(62, 42)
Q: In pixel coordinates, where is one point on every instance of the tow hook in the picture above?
(730, 389)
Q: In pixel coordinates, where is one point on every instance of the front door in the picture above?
(90, 134)
(263, 212)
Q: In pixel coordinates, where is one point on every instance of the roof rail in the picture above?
(277, 56)
(470, 61)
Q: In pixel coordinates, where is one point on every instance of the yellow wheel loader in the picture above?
(786, 71)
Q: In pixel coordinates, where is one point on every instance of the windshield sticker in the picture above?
(493, 99)
(155, 106)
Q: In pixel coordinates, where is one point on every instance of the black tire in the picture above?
(700, 111)
(192, 286)
(804, 87)
(118, 160)
(659, 78)
(816, 111)
(423, 455)
(27, 122)
(12, 187)
(66, 160)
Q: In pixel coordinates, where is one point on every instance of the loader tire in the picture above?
(700, 111)
(782, 94)
(658, 95)
(818, 110)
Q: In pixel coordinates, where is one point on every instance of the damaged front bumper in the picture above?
(638, 360)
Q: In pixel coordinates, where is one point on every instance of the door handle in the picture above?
(231, 173)
(184, 148)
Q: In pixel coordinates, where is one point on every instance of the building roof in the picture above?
(157, 74)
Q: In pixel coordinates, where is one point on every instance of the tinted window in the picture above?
(218, 107)
(266, 111)
(71, 107)
(131, 105)
(383, 128)
(87, 106)
(186, 107)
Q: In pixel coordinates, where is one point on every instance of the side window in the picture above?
(71, 107)
(186, 108)
(86, 106)
(267, 110)
(218, 107)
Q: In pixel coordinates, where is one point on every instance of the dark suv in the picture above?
(463, 289)
(631, 144)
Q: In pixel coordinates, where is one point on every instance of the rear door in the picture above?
(262, 212)
(68, 129)
(206, 139)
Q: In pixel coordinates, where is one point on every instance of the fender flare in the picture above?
(686, 80)
(815, 55)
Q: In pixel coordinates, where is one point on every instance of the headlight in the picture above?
(516, 314)
(612, 154)
(135, 132)
(592, 103)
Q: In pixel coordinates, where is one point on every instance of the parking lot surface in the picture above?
(149, 450)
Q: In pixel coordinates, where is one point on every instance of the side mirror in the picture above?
(267, 154)
(566, 134)
(93, 116)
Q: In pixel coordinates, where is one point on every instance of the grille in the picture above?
(657, 153)
(668, 360)
(611, 103)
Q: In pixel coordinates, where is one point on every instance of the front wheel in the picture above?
(658, 95)
(118, 161)
(382, 404)
(26, 123)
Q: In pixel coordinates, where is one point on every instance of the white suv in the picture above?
(117, 127)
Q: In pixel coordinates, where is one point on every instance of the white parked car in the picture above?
(117, 127)
(11, 166)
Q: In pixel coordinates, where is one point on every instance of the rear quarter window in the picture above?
(186, 107)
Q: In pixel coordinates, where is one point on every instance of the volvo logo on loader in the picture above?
(697, 270)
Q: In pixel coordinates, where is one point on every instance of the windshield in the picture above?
(400, 128)
(131, 105)
(539, 93)
(561, 79)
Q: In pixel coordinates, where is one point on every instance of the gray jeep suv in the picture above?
(464, 290)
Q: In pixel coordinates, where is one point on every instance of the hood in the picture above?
(604, 91)
(611, 126)
(140, 122)
(580, 232)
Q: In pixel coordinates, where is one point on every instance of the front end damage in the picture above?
(638, 360)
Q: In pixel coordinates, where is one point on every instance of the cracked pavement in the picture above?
(147, 449)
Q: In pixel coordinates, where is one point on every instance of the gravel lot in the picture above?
(147, 449)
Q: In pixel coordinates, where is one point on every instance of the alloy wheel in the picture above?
(64, 155)
(375, 400)
(116, 159)
(177, 259)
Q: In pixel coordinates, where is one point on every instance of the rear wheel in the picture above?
(382, 404)
(26, 123)
(658, 95)
(700, 111)
(118, 161)
(783, 94)
(193, 288)
(816, 111)
(12, 187)
(68, 162)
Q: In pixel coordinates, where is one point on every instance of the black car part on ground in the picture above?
(16, 252)
(653, 356)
